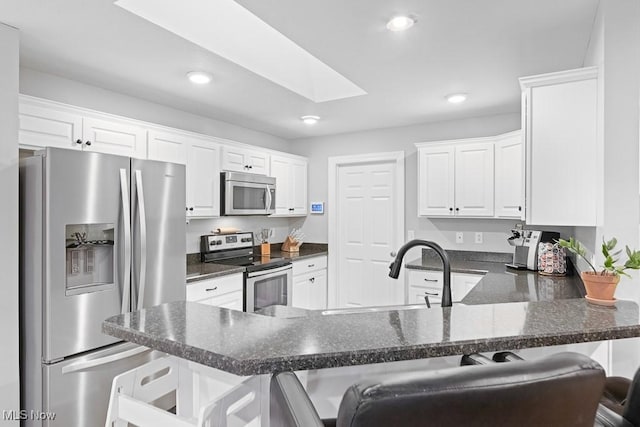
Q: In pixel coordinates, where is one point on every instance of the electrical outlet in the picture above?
(459, 237)
(411, 234)
(478, 237)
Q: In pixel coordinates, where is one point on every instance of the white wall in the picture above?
(319, 149)
(36, 83)
(198, 227)
(615, 48)
(9, 379)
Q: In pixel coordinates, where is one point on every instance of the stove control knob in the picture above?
(212, 243)
(218, 242)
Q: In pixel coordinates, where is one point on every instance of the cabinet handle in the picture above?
(430, 280)
(79, 141)
(457, 209)
(292, 209)
(186, 208)
(191, 208)
(520, 208)
(450, 209)
(250, 167)
(313, 279)
(88, 143)
(434, 294)
(311, 265)
(211, 289)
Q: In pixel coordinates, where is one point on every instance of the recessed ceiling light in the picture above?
(456, 98)
(310, 120)
(400, 23)
(199, 77)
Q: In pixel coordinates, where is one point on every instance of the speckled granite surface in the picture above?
(501, 284)
(197, 270)
(249, 343)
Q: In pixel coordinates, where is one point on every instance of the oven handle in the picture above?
(269, 271)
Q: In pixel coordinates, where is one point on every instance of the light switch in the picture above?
(478, 237)
(459, 237)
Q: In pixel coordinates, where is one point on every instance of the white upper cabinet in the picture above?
(49, 124)
(509, 176)
(474, 179)
(563, 171)
(114, 137)
(240, 159)
(436, 175)
(291, 184)
(41, 126)
(202, 159)
(455, 178)
(203, 179)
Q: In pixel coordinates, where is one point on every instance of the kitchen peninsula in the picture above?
(252, 344)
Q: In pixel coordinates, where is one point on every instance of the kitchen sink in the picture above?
(354, 310)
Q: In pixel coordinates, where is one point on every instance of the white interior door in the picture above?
(369, 225)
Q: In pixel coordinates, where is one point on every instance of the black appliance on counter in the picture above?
(267, 280)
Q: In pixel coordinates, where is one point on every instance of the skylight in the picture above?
(229, 30)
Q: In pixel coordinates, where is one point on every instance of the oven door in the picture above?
(249, 198)
(268, 287)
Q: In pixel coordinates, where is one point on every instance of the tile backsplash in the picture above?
(198, 227)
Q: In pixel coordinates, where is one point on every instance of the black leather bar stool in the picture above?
(559, 390)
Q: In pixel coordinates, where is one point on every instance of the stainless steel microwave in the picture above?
(247, 194)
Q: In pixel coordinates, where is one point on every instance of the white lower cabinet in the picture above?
(429, 283)
(225, 291)
(310, 283)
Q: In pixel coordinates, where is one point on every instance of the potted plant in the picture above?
(601, 285)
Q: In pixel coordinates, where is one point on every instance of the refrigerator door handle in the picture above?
(143, 239)
(126, 215)
(86, 364)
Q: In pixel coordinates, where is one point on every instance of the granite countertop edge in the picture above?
(225, 270)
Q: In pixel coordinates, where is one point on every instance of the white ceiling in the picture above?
(476, 46)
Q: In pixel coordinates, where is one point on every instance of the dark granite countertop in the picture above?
(501, 284)
(197, 270)
(251, 344)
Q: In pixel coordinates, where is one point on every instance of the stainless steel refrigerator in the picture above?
(100, 235)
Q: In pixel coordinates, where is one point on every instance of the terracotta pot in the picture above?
(599, 286)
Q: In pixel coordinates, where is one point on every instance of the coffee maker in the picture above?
(526, 247)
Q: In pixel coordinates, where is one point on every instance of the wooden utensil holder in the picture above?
(265, 249)
(290, 245)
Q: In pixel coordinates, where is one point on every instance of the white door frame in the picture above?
(334, 164)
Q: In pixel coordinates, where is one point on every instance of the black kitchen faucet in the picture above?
(394, 268)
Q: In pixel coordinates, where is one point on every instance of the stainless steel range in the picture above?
(267, 280)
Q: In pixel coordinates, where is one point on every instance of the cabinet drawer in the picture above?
(213, 287)
(430, 279)
(416, 295)
(310, 264)
(232, 300)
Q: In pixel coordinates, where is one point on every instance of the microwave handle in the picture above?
(267, 199)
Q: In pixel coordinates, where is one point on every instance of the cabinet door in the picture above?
(474, 179)
(310, 290)
(462, 284)
(167, 147)
(298, 192)
(114, 137)
(281, 171)
(233, 159)
(509, 177)
(231, 300)
(47, 127)
(258, 162)
(436, 181)
(203, 179)
(564, 169)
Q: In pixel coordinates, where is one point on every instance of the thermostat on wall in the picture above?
(317, 207)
